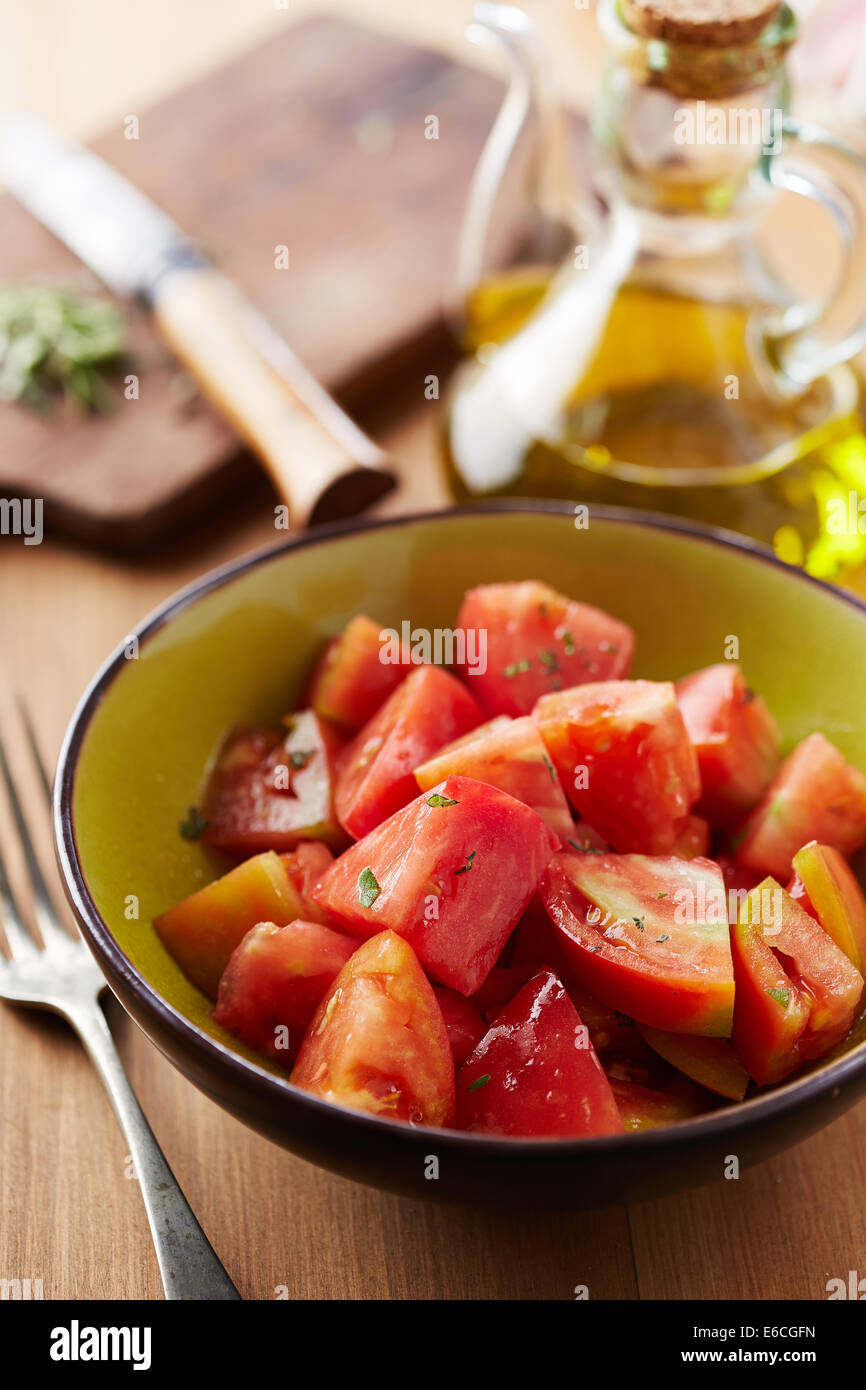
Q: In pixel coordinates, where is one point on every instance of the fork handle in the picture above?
(188, 1263)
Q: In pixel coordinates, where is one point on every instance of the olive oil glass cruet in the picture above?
(629, 336)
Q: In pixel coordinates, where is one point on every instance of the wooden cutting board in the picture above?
(314, 141)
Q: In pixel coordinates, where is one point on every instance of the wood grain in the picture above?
(314, 141)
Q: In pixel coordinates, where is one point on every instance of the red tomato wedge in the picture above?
(202, 931)
(735, 737)
(305, 866)
(831, 893)
(273, 983)
(271, 791)
(815, 795)
(378, 1041)
(430, 708)
(643, 1107)
(647, 936)
(797, 993)
(452, 872)
(539, 641)
(711, 1062)
(464, 1023)
(352, 677)
(508, 754)
(624, 758)
(536, 1073)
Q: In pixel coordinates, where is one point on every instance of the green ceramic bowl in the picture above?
(236, 647)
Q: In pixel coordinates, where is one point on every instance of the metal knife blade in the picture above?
(113, 228)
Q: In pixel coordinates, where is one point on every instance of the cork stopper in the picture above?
(706, 23)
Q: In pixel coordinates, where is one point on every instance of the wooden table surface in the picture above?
(71, 1215)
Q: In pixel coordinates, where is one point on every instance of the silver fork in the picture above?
(63, 977)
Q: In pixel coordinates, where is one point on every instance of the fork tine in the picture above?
(43, 909)
(18, 938)
(44, 775)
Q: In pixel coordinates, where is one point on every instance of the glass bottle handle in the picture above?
(806, 340)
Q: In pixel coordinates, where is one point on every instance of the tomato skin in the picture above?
(797, 993)
(735, 737)
(378, 1041)
(350, 680)
(643, 1107)
(711, 1062)
(275, 979)
(829, 892)
(669, 974)
(544, 1076)
(457, 918)
(462, 1020)
(429, 709)
(258, 800)
(202, 931)
(816, 795)
(501, 985)
(770, 1014)
(305, 865)
(561, 642)
(508, 754)
(624, 758)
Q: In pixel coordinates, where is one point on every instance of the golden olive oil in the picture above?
(672, 415)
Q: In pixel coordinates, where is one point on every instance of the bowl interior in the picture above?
(240, 651)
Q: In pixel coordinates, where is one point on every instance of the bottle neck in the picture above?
(685, 133)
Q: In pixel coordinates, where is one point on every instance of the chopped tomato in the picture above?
(624, 758)
(815, 795)
(539, 641)
(501, 985)
(271, 791)
(273, 983)
(305, 866)
(509, 754)
(711, 1062)
(797, 993)
(378, 1041)
(643, 1107)
(693, 841)
(735, 737)
(536, 1073)
(825, 886)
(202, 931)
(452, 872)
(647, 936)
(429, 709)
(352, 678)
(463, 1021)
(583, 837)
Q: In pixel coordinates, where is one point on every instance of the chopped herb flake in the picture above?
(437, 800)
(468, 865)
(515, 668)
(368, 888)
(585, 849)
(638, 921)
(660, 939)
(568, 642)
(194, 826)
(551, 769)
(478, 1082)
(781, 996)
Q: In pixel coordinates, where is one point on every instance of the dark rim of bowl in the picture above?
(728, 1122)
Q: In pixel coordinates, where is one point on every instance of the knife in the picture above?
(322, 464)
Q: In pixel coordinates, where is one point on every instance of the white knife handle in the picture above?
(322, 465)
